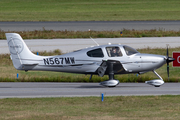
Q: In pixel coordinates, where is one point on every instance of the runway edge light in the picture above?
(17, 75)
(102, 97)
(121, 33)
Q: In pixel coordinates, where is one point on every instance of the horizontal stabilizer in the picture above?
(31, 64)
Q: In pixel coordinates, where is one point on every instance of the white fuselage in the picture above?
(80, 62)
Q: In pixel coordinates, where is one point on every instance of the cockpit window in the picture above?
(129, 50)
(95, 53)
(113, 51)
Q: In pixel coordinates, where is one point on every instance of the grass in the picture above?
(8, 72)
(85, 10)
(121, 107)
(50, 34)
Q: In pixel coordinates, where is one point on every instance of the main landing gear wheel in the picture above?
(111, 82)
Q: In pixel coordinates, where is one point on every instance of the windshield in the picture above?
(129, 50)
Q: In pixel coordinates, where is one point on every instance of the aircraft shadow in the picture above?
(84, 86)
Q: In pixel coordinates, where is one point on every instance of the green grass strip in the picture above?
(89, 10)
(50, 34)
(166, 107)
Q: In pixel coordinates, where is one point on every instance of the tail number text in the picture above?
(57, 61)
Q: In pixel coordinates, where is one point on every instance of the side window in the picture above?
(113, 51)
(95, 53)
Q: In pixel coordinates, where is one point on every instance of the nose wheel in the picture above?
(156, 82)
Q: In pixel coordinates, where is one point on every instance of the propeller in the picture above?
(168, 60)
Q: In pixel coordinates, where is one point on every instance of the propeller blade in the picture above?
(168, 70)
(167, 54)
(167, 61)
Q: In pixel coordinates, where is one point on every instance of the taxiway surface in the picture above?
(35, 90)
(93, 25)
(69, 45)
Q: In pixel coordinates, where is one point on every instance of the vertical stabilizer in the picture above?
(19, 51)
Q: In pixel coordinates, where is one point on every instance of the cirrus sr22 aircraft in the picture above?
(101, 60)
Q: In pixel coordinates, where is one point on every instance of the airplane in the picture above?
(110, 59)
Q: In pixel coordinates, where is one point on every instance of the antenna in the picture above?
(94, 41)
(92, 38)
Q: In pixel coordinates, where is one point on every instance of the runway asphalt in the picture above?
(36, 90)
(92, 25)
